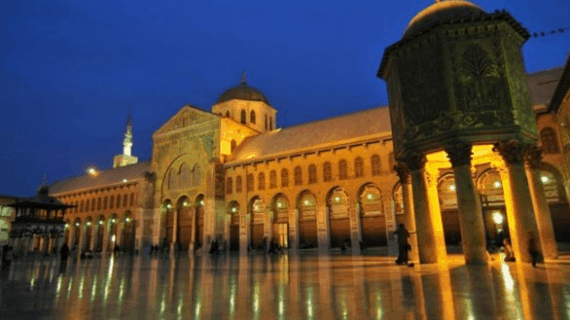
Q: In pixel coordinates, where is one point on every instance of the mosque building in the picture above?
(466, 129)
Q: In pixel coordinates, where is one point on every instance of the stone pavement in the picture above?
(280, 287)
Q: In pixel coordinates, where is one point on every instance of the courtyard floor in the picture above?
(280, 287)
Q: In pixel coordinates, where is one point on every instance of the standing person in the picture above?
(532, 248)
(509, 255)
(403, 245)
(64, 251)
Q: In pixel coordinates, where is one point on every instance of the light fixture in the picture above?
(113, 220)
(544, 179)
(201, 202)
(369, 196)
(452, 187)
(234, 209)
(77, 224)
(66, 225)
(88, 223)
(124, 180)
(185, 204)
(113, 238)
(306, 202)
(100, 221)
(278, 204)
(255, 207)
(169, 206)
(127, 219)
(497, 184)
(92, 171)
(337, 199)
(498, 218)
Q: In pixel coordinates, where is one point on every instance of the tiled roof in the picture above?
(305, 136)
(542, 85)
(104, 178)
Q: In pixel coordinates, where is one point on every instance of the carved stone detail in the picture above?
(459, 154)
(512, 151)
(403, 172)
(415, 160)
(533, 156)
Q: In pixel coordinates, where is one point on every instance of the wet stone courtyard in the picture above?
(280, 287)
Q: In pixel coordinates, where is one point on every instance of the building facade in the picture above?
(229, 174)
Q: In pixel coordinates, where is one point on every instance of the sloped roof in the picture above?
(104, 178)
(542, 85)
(305, 136)
(562, 88)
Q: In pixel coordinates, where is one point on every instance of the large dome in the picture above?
(243, 92)
(442, 11)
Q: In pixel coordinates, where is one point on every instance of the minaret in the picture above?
(126, 158)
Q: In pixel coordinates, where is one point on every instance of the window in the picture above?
(233, 145)
(298, 175)
(227, 114)
(238, 184)
(99, 204)
(105, 203)
(284, 178)
(81, 206)
(132, 199)
(118, 201)
(265, 122)
(185, 176)
(196, 175)
(125, 200)
(229, 186)
(270, 123)
(342, 169)
(375, 161)
(327, 171)
(549, 141)
(312, 173)
(359, 167)
(171, 180)
(252, 117)
(272, 179)
(243, 117)
(261, 181)
(111, 202)
(249, 182)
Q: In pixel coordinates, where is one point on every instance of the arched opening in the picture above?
(398, 203)
(199, 228)
(372, 216)
(128, 235)
(76, 233)
(88, 234)
(337, 205)
(557, 202)
(168, 221)
(307, 208)
(67, 233)
(227, 114)
(184, 230)
(234, 212)
(113, 222)
(449, 209)
(252, 117)
(100, 234)
(243, 117)
(280, 225)
(256, 209)
(490, 189)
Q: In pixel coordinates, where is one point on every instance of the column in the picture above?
(105, 236)
(244, 221)
(192, 245)
(513, 154)
(355, 224)
(533, 159)
(409, 216)
(94, 227)
(425, 224)
(268, 229)
(293, 229)
(173, 245)
(470, 213)
(323, 228)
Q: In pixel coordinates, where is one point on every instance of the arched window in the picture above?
(93, 205)
(229, 186)
(375, 161)
(549, 141)
(249, 182)
(261, 181)
(243, 117)
(284, 178)
(342, 169)
(233, 145)
(171, 180)
(185, 176)
(227, 114)
(118, 204)
(125, 200)
(265, 122)
(298, 176)
(132, 199)
(272, 179)
(359, 167)
(238, 184)
(270, 123)
(312, 173)
(196, 175)
(252, 117)
(99, 204)
(391, 162)
(111, 202)
(327, 171)
(105, 203)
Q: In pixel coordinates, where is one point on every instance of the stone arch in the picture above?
(337, 203)
(199, 208)
(100, 233)
(184, 222)
(76, 233)
(88, 233)
(128, 232)
(234, 213)
(168, 221)
(280, 220)
(256, 209)
(252, 117)
(113, 227)
(227, 113)
(243, 117)
(67, 232)
(306, 204)
(490, 190)
(553, 185)
(372, 215)
(449, 210)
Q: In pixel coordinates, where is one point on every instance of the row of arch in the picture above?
(102, 203)
(119, 232)
(184, 177)
(184, 223)
(253, 118)
(312, 175)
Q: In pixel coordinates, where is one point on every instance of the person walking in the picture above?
(403, 246)
(532, 249)
(64, 251)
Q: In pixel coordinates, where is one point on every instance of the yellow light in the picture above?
(497, 184)
(113, 238)
(544, 179)
(306, 202)
(452, 187)
(169, 206)
(255, 207)
(202, 202)
(128, 219)
(66, 225)
(278, 204)
(113, 220)
(92, 171)
(185, 204)
(100, 221)
(124, 180)
(88, 223)
(234, 209)
(369, 196)
(498, 218)
(77, 224)
(337, 199)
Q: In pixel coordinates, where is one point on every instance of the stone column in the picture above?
(469, 204)
(425, 224)
(293, 228)
(323, 228)
(533, 158)
(268, 230)
(94, 226)
(513, 152)
(192, 245)
(409, 216)
(244, 221)
(173, 245)
(105, 236)
(355, 224)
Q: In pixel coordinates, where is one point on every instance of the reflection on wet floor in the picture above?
(282, 287)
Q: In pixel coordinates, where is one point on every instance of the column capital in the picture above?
(512, 151)
(403, 172)
(459, 153)
(415, 160)
(533, 156)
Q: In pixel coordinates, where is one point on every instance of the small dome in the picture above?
(442, 11)
(243, 92)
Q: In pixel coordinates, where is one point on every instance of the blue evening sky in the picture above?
(70, 69)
